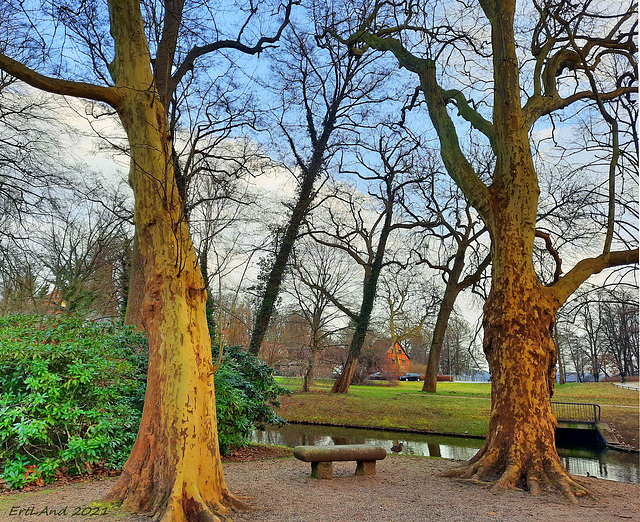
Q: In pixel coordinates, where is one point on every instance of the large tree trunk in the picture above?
(174, 471)
(277, 272)
(174, 468)
(518, 320)
(520, 311)
(520, 447)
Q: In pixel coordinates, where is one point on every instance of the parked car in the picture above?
(380, 376)
(410, 377)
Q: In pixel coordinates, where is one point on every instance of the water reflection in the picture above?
(601, 463)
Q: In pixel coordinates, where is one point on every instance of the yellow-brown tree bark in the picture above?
(174, 471)
(519, 313)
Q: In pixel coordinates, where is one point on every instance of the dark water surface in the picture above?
(584, 461)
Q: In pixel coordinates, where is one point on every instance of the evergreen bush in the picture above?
(71, 396)
(246, 395)
(72, 392)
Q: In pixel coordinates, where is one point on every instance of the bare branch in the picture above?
(110, 95)
(263, 43)
(570, 282)
(553, 252)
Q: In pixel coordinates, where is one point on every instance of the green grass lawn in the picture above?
(383, 389)
(457, 408)
(596, 392)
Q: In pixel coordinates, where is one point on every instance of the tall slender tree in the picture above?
(459, 236)
(174, 469)
(323, 85)
(391, 168)
(580, 52)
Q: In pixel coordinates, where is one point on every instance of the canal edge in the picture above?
(606, 434)
(383, 428)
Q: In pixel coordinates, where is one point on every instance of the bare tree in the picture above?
(569, 346)
(31, 182)
(219, 206)
(604, 330)
(457, 356)
(620, 332)
(317, 271)
(21, 284)
(365, 239)
(449, 247)
(82, 250)
(455, 50)
(138, 75)
(409, 302)
(329, 89)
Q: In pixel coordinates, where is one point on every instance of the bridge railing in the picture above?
(576, 412)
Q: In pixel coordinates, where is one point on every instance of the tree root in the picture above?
(191, 507)
(187, 506)
(561, 479)
(487, 471)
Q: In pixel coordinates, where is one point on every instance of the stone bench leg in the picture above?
(366, 467)
(322, 470)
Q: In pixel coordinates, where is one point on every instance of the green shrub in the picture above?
(71, 396)
(72, 392)
(246, 394)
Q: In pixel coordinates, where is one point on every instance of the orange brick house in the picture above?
(396, 360)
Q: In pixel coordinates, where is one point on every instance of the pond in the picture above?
(583, 461)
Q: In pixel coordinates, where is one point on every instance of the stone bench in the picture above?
(322, 458)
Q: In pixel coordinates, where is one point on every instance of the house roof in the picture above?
(399, 349)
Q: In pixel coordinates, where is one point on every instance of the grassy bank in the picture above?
(457, 408)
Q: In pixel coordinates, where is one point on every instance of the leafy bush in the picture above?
(71, 396)
(72, 392)
(246, 394)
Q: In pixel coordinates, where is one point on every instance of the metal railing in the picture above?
(575, 412)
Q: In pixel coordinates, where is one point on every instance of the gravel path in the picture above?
(404, 489)
(407, 489)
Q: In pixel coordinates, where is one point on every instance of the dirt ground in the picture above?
(404, 489)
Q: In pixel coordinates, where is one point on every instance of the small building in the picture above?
(396, 360)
